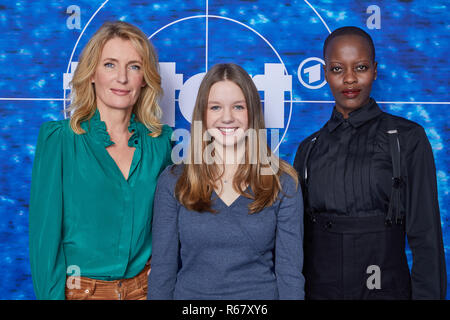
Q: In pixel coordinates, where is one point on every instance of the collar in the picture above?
(355, 118)
(97, 129)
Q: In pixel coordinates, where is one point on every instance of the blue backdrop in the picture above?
(278, 42)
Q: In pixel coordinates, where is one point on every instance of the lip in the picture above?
(120, 92)
(227, 130)
(351, 93)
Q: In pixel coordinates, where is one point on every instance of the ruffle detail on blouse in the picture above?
(98, 129)
(134, 139)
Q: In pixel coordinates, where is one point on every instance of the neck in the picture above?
(230, 156)
(343, 111)
(116, 120)
(346, 111)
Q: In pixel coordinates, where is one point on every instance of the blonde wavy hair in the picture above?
(83, 104)
(197, 181)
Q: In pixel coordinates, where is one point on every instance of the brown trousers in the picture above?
(124, 289)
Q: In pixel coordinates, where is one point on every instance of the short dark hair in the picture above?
(346, 31)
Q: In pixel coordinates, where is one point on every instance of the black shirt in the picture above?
(349, 173)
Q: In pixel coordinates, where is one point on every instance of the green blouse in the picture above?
(83, 214)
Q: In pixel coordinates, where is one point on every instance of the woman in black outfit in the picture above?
(368, 178)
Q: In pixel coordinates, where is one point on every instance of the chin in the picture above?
(227, 142)
(121, 106)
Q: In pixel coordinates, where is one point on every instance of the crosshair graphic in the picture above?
(64, 99)
(207, 16)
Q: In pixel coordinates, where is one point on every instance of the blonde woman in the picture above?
(94, 175)
(231, 226)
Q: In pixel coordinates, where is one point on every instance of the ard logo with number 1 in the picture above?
(310, 73)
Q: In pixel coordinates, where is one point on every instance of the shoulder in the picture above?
(166, 132)
(310, 137)
(53, 130)
(51, 140)
(170, 175)
(410, 132)
(402, 125)
(289, 186)
(54, 126)
(302, 148)
(290, 197)
(303, 145)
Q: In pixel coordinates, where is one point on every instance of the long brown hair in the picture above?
(83, 103)
(197, 181)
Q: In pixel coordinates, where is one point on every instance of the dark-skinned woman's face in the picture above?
(350, 72)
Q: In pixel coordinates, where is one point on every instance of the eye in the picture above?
(362, 68)
(336, 69)
(239, 107)
(214, 108)
(109, 65)
(135, 67)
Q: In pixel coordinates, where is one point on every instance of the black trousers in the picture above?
(355, 258)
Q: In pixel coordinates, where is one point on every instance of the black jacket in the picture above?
(351, 199)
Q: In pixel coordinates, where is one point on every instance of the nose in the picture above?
(122, 75)
(350, 77)
(227, 115)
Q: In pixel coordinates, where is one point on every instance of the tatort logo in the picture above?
(274, 83)
(180, 91)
